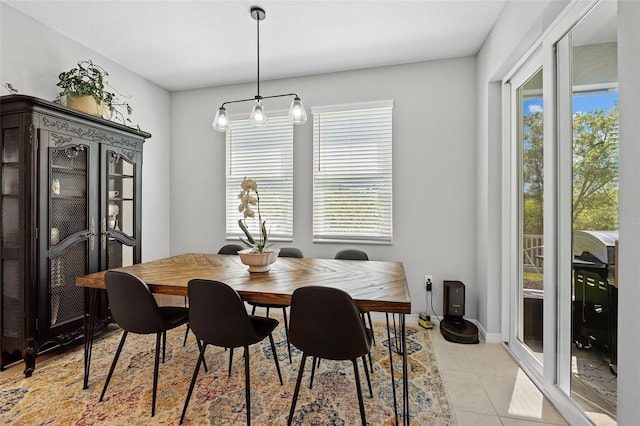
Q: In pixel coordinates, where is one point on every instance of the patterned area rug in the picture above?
(54, 394)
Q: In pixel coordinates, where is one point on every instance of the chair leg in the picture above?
(366, 372)
(204, 363)
(359, 390)
(373, 335)
(286, 332)
(113, 364)
(186, 333)
(313, 372)
(160, 336)
(230, 360)
(267, 312)
(247, 384)
(275, 357)
(164, 345)
(295, 393)
(253, 310)
(370, 361)
(193, 381)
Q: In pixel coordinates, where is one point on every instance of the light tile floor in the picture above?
(486, 386)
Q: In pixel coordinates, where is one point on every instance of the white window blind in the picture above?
(265, 155)
(352, 173)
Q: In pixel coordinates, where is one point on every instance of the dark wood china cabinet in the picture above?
(70, 204)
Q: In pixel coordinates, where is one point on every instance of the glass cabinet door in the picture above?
(11, 276)
(71, 233)
(120, 223)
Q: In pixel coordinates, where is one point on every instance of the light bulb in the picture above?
(297, 114)
(221, 121)
(258, 117)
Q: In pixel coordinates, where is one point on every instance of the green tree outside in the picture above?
(595, 171)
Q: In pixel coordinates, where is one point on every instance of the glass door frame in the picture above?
(513, 157)
(552, 376)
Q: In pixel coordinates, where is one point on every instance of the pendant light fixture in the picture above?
(258, 117)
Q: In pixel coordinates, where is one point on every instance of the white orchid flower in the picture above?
(248, 186)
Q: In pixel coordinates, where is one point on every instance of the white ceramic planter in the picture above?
(258, 262)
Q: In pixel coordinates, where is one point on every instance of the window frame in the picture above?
(269, 194)
(380, 146)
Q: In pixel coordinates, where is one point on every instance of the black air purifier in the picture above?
(454, 327)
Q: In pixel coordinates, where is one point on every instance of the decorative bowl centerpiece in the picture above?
(256, 261)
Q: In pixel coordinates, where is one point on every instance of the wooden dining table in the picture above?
(378, 286)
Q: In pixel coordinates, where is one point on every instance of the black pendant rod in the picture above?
(261, 97)
(259, 14)
(258, 26)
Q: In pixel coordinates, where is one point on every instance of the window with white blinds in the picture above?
(264, 154)
(352, 175)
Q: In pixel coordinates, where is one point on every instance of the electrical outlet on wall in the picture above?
(428, 282)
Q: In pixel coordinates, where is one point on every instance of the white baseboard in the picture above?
(380, 316)
(487, 337)
(413, 318)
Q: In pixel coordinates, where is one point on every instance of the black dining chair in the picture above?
(284, 252)
(227, 249)
(218, 317)
(230, 249)
(325, 323)
(134, 308)
(291, 252)
(356, 254)
(351, 254)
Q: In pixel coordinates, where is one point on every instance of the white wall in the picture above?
(629, 249)
(517, 28)
(434, 132)
(31, 58)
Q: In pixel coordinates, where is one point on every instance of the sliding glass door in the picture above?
(587, 85)
(527, 285)
(561, 162)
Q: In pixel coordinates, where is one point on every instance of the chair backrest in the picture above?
(351, 254)
(218, 316)
(326, 322)
(290, 252)
(133, 307)
(230, 249)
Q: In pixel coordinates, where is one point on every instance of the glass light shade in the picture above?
(297, 114)
(258, 118)
(221, 121)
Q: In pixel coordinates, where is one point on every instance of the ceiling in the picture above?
(186, 44)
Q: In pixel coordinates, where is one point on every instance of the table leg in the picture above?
(396, 336)
(405, 375)
(91, 307)
(393, 380)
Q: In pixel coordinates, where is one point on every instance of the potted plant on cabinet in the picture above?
(84, 88)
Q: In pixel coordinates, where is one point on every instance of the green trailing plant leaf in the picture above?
(89, 79)
(10, 88)
(250, 240)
